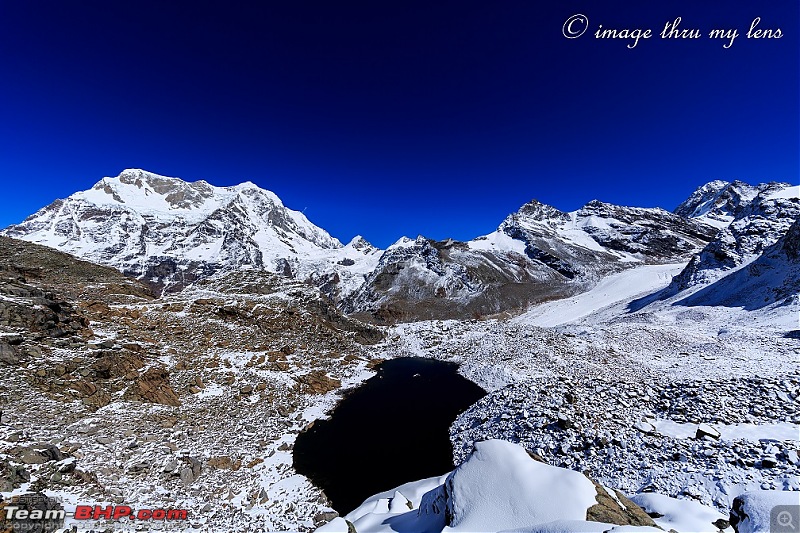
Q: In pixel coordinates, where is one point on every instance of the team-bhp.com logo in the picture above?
(30, 512)
(96, 512)
(118, 512)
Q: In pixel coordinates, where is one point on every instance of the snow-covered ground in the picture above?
(612, 289)
(731, 432)
(501, 488)
(620, 381)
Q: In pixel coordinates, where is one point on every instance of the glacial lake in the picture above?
(392, 429)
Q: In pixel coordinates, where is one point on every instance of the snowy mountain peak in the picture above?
(719, 202)
(139, 189)
(537, 211)
(247, 185)
(717, 185)
(360, 243)
(750, 219)
(156, 194)
(161, 228)
(144, 180)
(402, 242)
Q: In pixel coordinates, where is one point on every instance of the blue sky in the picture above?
(395, 118)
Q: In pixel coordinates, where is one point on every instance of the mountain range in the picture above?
(635, 336)
(170, 233)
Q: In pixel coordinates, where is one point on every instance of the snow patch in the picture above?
(749, 432)
(610, 290)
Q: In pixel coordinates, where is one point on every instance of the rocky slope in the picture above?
(652, 437)
(759, 217)
(109, 394)
(537, 254)
(772, 277)
(424, 279)
(719, 203)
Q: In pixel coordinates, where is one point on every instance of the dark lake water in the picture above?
(391, 430)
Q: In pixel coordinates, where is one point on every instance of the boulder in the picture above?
(114, 365)
(645, 427)
(705, 430)
(324, 517)
(792, 457)
(8, 354)
(337, 525)
(753, 511)
(222, 462)
(187, 476)
(12, 476)
(770, 462)
(40, 453)
(564, 421)
(191, 471)
(613, 507)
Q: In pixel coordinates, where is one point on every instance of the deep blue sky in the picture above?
(391, 118)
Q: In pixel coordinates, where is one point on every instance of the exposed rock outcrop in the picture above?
(153, 386)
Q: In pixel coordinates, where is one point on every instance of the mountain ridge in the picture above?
(171, 233)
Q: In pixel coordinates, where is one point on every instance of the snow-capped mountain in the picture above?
(758, 217)
(422, 278)
(721, 202)
(748, 275)
(772, 277)
(537, 254)
(170, 232)
(641, 384)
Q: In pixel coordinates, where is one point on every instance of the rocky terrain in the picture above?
(662, 438)
(189, 401)
(657, 352)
